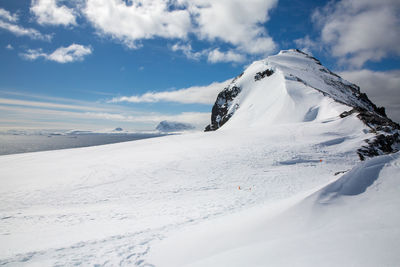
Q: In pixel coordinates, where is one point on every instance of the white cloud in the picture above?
(59, 112)
(234, 22)
(196, 118)
(217, 56)
(358, 31)
(187, 51)
(9, 47)
(383, 88)
(8, 22)
(192, 95)
(6, 15)
(72, 53)
(213, 56)
(138, 20)
(48, 12)
(59, 117)
(41, 104)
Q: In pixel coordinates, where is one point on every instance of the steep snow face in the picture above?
(289, 87)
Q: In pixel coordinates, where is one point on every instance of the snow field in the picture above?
(280, 184)
(103, 204)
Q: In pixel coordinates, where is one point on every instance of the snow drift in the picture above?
(347, 223)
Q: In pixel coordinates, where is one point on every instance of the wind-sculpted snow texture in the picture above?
(298, 76)
(350, 222)
(279, 184)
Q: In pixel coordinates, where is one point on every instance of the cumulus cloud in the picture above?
(192, 95)
(48, 12)
(383, 88)
(358, 31)
(217, 56)
(72, 53)
(9, 47)
(9, 21)
(234, 22)
(137, 20)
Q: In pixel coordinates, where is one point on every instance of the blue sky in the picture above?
(95, 64)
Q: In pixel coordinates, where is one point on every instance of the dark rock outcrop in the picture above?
(387, 132)
(222, 110)
(263, 74)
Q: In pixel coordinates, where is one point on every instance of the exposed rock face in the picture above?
(173, 126)
(263, 74)
(387, 132)
(223, 110)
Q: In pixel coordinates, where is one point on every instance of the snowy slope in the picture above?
(289, 87)
(254, 186)
(348, 223)
(293, 87)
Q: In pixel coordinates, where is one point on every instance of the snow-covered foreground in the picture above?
(352, 222)
(280, 184)
(110, 204)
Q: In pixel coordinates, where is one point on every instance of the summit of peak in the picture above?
(294, 87)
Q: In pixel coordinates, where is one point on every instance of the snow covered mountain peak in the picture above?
(301, 67)
(294, 87)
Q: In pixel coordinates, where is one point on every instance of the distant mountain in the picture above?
(173, 126)
(294, 87)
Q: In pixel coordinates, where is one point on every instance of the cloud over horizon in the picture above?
(51, 113)
(192, 95)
